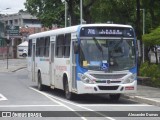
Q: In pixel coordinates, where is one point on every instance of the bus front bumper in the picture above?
(83, 88)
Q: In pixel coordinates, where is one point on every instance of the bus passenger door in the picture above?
(73, 73)
(52, 69)
(33, 63)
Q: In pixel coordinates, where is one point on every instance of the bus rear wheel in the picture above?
(68, 94)
(40, 86)
(114, 96)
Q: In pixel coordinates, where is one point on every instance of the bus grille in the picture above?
(115, 81)
(108, 76)
(104, 81)
(108, 87)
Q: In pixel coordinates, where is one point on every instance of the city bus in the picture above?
(85, 59)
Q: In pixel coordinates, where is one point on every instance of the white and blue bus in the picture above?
(85, 59)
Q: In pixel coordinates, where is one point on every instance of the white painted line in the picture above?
(48, 96)
(2, 97)
(78, 105)
(4, 106)
(69, 102)
(117, 105)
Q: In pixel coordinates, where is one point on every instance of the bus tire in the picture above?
(68, 94)
(114, 96)
(40, 86)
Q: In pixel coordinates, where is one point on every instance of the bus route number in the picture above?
(91, 31)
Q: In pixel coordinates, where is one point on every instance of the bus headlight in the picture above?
(86, 79)
(130, 79)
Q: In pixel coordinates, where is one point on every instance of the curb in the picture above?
(12, 69)
(18, 69)
(143, 100)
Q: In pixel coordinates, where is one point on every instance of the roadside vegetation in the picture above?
(153, 72)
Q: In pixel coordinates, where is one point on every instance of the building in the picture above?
(3, 49)
(26, 23)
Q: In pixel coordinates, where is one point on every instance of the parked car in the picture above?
(24, 53)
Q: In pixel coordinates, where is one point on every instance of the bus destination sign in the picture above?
(106, 32)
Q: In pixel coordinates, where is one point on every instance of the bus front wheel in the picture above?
(68, 94)
(114, 96)
(40, 86)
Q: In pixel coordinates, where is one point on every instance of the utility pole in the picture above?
(81, 11)
(66, 8)
(7, 41)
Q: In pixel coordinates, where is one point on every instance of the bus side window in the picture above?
(59, 46)
(42, 46)
(67, 45)
(37, 47)
(30, 48)
(46, 49)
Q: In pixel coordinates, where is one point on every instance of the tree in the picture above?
(52, 11)
(74, 10)
(151, 40)
(87, 6)
(47, 11)
(152, 17)
(116, 11)
(152, 14)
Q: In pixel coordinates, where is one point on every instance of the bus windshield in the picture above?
(118, 53)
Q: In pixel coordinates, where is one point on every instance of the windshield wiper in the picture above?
(116, 44)
(98, 46)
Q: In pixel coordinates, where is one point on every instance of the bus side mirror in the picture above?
(76, 46)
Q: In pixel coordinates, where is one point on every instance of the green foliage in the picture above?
(48, 11)
(153, 71)
(117, 11)
(96, 11)
(152, 38)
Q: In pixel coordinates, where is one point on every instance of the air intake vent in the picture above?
(108, 87)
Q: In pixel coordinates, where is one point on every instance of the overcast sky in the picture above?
(13, 5)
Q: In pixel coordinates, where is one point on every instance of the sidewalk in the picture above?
(145, 94)
(13, 65)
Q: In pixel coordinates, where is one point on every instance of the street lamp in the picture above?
(81, 11)
(143, 20)
(65, 13)
(67, 17)
(143, 31)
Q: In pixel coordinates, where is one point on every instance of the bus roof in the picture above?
(73, 29)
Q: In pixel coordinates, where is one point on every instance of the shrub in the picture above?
(153, 71)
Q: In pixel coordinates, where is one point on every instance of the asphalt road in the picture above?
(18, 93)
